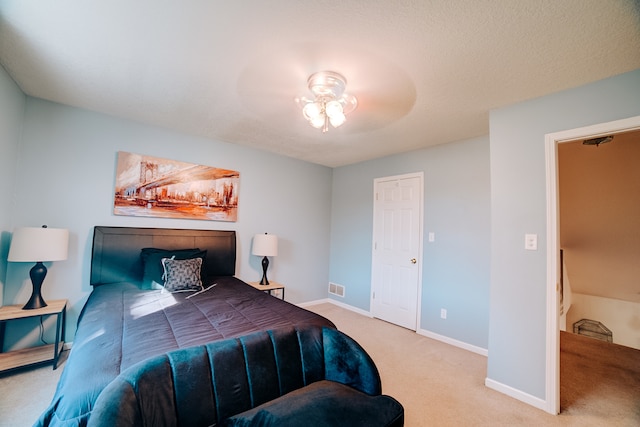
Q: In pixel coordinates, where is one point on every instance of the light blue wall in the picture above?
(517, 334)
(12, 104)
(65, 178)
(456, 208)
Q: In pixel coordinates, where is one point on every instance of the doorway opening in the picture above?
(554, 269)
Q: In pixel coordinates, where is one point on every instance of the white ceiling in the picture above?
(425, 72)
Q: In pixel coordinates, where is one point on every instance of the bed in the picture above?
(127, 320)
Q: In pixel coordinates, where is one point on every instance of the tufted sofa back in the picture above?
(203, 385)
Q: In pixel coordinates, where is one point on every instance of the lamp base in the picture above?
(37, 274)
(265, 265)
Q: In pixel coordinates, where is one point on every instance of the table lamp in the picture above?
(265, 245)
(33, 244)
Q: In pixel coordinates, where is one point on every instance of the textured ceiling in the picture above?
(425, 72)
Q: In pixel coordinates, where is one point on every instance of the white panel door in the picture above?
(397, 242)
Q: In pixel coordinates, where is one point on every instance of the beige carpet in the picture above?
(442, 385)
(599, 379)
(26, 393)
(438, 384)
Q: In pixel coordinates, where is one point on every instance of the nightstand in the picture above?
(43, 353)
(272, 286)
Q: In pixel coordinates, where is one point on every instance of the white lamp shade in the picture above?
(265, 245)
(33, 244)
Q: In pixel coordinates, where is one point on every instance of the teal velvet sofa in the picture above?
(306, 376)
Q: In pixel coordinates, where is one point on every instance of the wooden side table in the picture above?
(272, 286)
(43, 353)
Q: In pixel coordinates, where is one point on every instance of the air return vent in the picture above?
(336, 289)
(593, 329)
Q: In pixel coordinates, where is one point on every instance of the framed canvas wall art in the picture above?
(155, 187)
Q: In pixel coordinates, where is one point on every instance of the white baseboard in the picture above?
(351, 308)
(428, 334)
(536, 402)
(315, 302)
(461, 344)
(338, 303)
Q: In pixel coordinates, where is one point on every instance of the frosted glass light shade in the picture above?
(33, 244)
(312, 110)
(317, 122)
(265, 245)
(334, 108)
(337, 119)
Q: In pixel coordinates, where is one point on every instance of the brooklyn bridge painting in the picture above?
(151, 186)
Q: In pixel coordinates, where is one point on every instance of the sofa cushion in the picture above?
(323, 403)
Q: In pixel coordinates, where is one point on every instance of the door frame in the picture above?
(420, 176)
(553, 247)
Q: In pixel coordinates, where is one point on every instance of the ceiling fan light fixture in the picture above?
(598, 141)
(330, 104)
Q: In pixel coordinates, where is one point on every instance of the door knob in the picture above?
(413, 261)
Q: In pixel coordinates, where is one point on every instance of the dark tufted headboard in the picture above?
(115, 255)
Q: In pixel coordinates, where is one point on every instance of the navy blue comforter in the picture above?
(121, 325)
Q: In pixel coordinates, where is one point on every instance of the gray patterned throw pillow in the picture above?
(182, 274)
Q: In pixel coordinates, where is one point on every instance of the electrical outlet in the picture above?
(443, 313)
(531, 242)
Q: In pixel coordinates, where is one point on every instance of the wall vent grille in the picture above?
(593, 329)
(335, 289)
